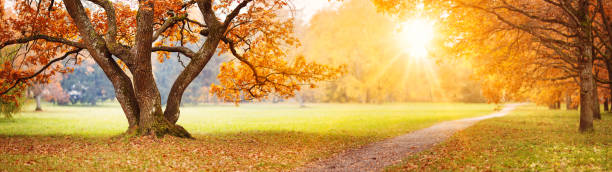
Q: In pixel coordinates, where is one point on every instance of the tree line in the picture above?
(545, 51)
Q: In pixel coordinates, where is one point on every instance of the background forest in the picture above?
(354, 34)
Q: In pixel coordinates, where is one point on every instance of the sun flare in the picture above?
(416, 35)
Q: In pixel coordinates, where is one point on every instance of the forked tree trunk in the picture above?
(152, 120)
(191, 71)
(141, 102)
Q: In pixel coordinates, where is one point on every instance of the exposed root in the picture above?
(157, 131)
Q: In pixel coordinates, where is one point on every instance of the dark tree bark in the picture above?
(191, 71)
(607, 42)
(596, 107)
(215, 34)
(96, 47)
(586, 94)
(609, 69)
(609, 99)
(606, 108)
(152, 121)
(588, 86)
(143, 109)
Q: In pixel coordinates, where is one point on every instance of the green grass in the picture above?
(351, 119)
(529, 139)
(249, 137)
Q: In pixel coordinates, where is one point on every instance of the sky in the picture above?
(305, 9)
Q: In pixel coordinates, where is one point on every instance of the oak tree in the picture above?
(120, 36)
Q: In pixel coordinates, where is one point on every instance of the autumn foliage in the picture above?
(122, 36)
(541, 51)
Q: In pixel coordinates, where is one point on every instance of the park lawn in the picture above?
(248, 137)
(531, 138)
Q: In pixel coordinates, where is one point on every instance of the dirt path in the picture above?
(376, 156)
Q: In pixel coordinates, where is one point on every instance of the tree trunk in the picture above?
(191, 71)
(195, 66)
(140, 99)
(609, 69)
(568, 101)
(586, 94)
(595, 106)
(97, 49)
(606, 108)
(587, 82)
(152, 120)
(38, 107)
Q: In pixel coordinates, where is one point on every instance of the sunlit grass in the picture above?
(249, 137)
(531, 138)
(352, 119)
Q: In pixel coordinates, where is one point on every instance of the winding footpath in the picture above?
(376, 156)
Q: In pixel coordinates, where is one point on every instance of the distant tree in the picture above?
(37, 90)
(87, 84)
(379, 65)
(167, 70)
(55, 93)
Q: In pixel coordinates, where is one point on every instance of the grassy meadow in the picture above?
(248, 137)
(531, 138)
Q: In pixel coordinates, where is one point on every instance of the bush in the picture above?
(10, 107)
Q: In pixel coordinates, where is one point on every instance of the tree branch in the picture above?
(235, 12)
(183, 50)
(242, 59)
(208, 13)
(43, 37)
(22, 79)
(167, 24)
(111, 17)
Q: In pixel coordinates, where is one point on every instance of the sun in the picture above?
(416, 36)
